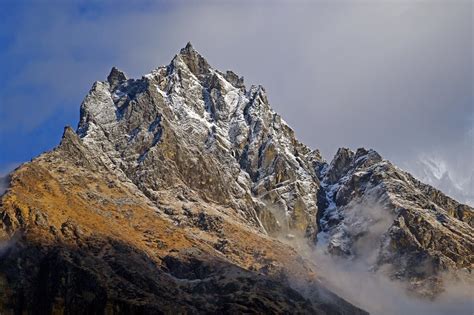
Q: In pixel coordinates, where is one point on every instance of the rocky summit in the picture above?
(183, 192)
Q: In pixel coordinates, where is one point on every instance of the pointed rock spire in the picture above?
(366, 157)
(195, 62)
(72, 147)
(189, 46)
(235, 80)
(116, 77)
(340, 164)
(69, 138)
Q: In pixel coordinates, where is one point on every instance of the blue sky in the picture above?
(393, 75)
(34, 105)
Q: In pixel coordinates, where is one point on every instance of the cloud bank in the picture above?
(355, 280)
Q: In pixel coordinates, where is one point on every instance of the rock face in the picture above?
(80, 237)
(172, 192)
(189, 125)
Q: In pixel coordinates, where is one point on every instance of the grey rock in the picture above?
(116, 77)
(188, 125)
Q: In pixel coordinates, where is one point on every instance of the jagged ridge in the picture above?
(188, 124)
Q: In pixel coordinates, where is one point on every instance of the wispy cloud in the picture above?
(4, 171)
(356, 281)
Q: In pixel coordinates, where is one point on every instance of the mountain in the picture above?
(373, 209)
(184, 192)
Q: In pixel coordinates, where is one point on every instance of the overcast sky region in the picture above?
(396, 76)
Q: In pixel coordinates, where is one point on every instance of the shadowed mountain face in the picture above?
(78, 237)
(174, 190)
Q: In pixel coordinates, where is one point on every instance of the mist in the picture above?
(356, 278)
(10, 242)
(3, 184)
(377, 294)
(5, 176)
